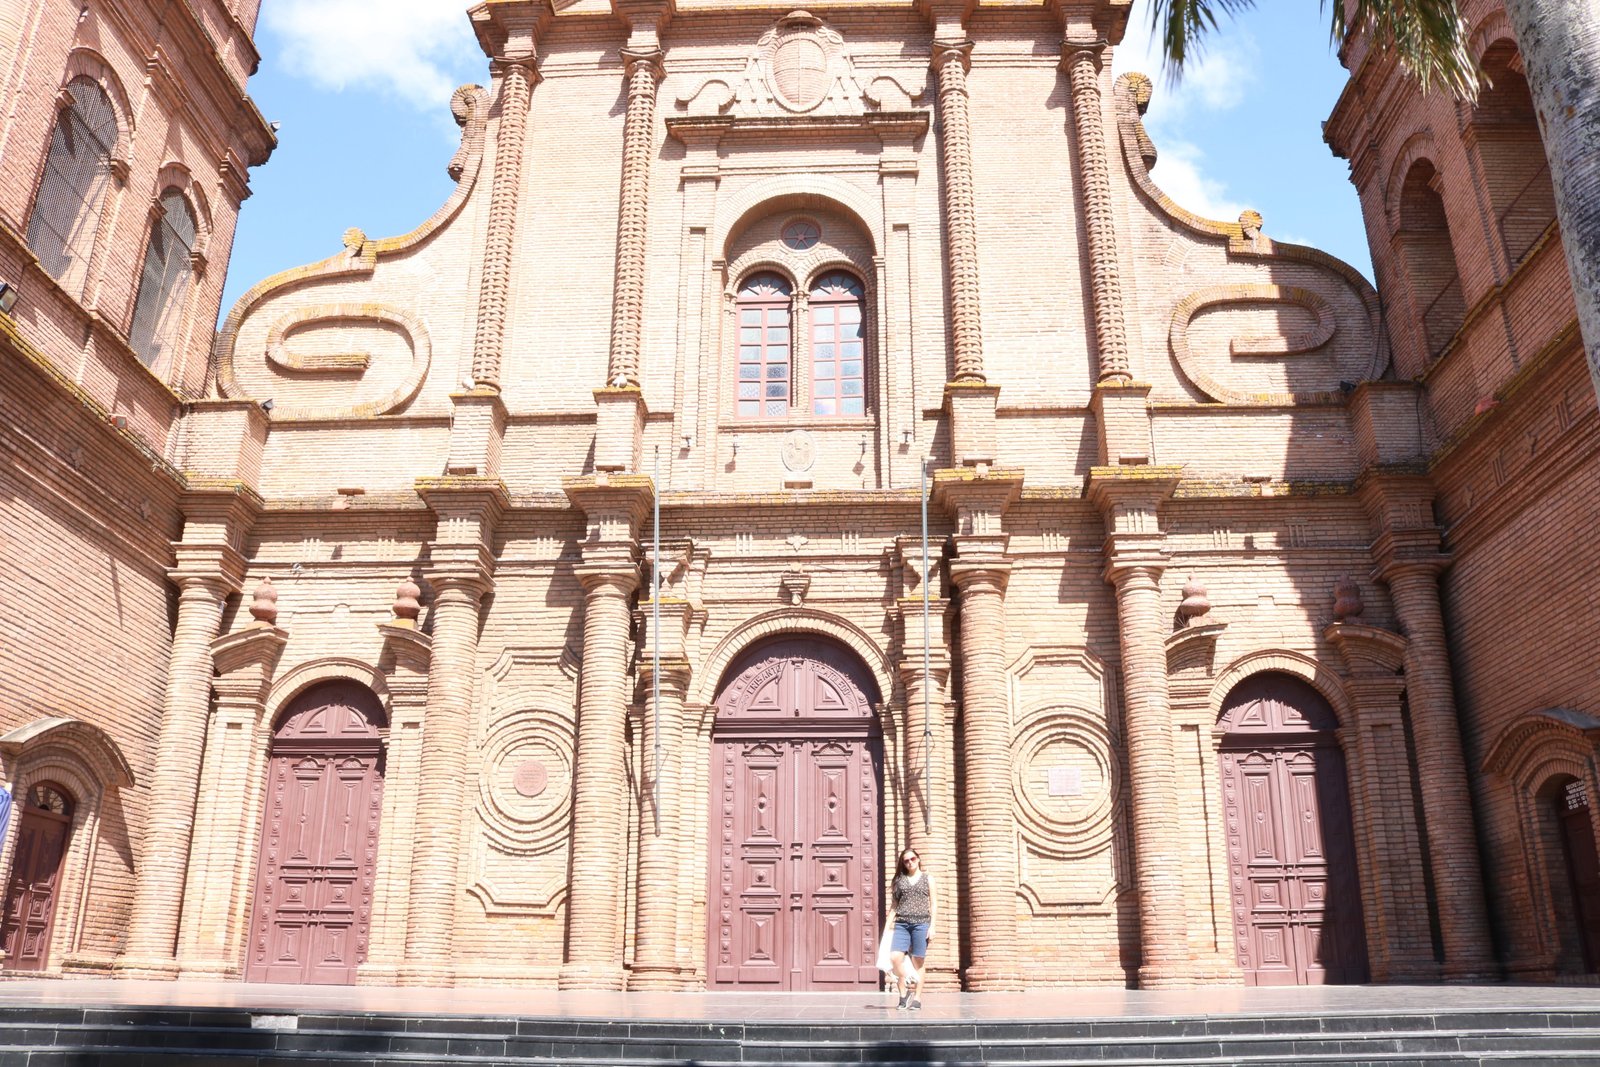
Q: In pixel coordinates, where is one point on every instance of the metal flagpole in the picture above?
(927, 723)
(655, 641)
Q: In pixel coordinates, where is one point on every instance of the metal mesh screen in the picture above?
(164, 282)
(66, 213)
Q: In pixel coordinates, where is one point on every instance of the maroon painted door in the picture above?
(30, 906)
(795, 823)
(1286, 808)
(319, 840)
(1583, 868)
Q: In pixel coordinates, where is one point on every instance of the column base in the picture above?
(1471, 971)
(667, 978)
(209, 970)
(993, 980)
(410, 973)
(161, 969)
(1169, 974)
(605, 976)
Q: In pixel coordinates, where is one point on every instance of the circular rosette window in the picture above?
(525, 785)
(1066, 782)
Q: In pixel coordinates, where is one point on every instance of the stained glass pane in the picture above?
(777, 407)
(778, 370)
(752, 371)
(749, 389)
(823, 407)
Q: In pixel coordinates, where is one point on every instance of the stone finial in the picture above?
(1194, 602)
(1347, 606)
(406, 605)
(264, 603)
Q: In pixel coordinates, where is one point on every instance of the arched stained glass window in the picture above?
(77, 173)
(838, 379)
(164, 284)
(765, 345)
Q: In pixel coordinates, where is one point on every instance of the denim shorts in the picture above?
(911, 938)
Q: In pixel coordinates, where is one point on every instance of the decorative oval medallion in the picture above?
(799, 451)
(530, 778)
(800, 70)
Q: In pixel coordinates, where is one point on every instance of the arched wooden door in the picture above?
(1572, 813)
(1291, 857)
(796, 825)
(31, 895)
(319, 839)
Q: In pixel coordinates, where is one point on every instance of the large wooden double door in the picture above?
(319, 840)
(1291, 860)
(795, 836)
(31, 896)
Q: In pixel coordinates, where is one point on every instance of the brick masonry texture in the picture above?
(1157, 443)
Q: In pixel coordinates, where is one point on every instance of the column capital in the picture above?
(675, 674)
(244, 662)
(1075, 50)
(607, 577)
(650, 59)
(946, 52)
(457, 579)
(1134, 570)
(614, 505)
(982, 575)
(1144, 485)
(1367, 649)
(1397, 565)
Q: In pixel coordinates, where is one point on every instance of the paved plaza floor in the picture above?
(854, 1008)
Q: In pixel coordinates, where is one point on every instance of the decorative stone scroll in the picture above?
(280, 366)
(1295, 343)
(799, 67)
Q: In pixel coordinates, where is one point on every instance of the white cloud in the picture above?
(416, 50)
(1178, 173)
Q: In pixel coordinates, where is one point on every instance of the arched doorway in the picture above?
(1291, 857)
(1567, 801)
(796, 822)
(319, 838)
(30, 908)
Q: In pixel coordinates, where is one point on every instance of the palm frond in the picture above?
(1428, 37)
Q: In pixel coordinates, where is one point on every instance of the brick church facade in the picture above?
(538, 597)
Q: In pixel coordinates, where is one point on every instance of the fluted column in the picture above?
(517, 76)
(600, 782)
(950, 63)
(1147, 729)
(644, 73)
(442, 774)
(655, 941)
(1082, 63)
(163, 862)
(990, 831)
(1441, 769)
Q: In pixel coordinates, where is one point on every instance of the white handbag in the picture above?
(885, 946)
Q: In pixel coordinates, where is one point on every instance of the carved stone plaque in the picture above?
(530, 778)
(799, 451)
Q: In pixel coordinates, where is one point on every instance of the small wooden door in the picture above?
(796, 768)
(30, 906)
(1583, 867)
(1297, 909)
(319, 840)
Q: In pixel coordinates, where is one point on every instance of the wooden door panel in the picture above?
(793, 893)
(29, 911)
(318, 843)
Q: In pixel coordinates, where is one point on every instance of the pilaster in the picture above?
(1409, 560)
(405, 664)
(1394, 891)
(1135, 553)
(210, 566)
(211, 941)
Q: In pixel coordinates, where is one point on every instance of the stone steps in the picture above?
(179, 1037)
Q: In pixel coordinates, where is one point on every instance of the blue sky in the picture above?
(365, 131)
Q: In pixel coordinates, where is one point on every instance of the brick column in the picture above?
(655, 941)
(930, 817)
(980, 571)
(174, 779)
(1442, 771)
(1081, 60)
(441, 775)
(614, 507)
(600, 784)
(1409, 561)
(951, 60)
(209, 569)
(1135, 560)
(466, 511)
(990, 831)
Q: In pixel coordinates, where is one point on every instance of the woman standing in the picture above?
(911, 914)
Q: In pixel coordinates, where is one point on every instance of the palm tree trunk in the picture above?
(1560, 45)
